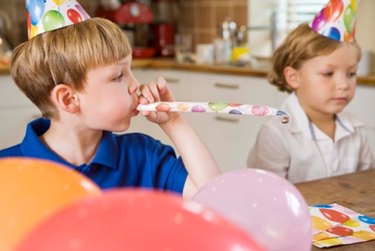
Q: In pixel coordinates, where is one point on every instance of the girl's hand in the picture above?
(157, 92)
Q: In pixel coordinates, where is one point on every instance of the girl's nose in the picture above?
(344, 82)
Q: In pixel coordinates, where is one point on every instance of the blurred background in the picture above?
(160, 28)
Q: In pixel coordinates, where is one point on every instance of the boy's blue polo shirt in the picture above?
(128, 160)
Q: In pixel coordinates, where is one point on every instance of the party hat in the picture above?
(47, 15)
(337, 20)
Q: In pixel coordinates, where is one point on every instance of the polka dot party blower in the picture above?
(215, 107)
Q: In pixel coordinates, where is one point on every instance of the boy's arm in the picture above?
(197, 159)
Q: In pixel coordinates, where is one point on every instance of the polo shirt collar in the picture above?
(300, 123)
(32, 146)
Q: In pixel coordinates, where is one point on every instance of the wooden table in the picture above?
(355, 191)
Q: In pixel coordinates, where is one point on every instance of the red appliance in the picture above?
(164, 39)
(135, 19)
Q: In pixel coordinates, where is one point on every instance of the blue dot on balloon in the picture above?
(234, 111)
(366, 219)
(332, 33)
(323, 206)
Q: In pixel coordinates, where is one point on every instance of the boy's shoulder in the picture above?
(13, 151)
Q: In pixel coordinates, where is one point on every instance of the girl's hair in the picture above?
(299, 46)
(64, 56)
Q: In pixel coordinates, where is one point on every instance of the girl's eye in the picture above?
(352, 74)
(118, 78)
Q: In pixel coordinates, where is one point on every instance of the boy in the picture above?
(80, 77)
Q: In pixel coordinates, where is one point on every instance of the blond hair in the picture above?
(299, 46)
(64, 56)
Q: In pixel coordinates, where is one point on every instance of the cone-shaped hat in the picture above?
(47, 15)
(337, 20)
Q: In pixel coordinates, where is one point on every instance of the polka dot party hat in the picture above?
(47, 15)
(337, 20)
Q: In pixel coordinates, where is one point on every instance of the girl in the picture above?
(321, 140)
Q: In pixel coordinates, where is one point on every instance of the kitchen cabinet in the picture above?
(15, 112)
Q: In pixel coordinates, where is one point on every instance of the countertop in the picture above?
(259, 71)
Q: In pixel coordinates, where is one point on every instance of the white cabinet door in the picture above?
(362, 106)
(13, 124)
(15, 112)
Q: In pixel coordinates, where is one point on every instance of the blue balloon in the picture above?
(332, 33)
(36, 10)
(366, 219)
(323, 206)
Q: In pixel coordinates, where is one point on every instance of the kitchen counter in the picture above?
(258, 71)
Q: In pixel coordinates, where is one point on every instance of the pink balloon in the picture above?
(319, 21)
(266, 205)
(131, 219)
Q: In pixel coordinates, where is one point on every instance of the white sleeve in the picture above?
(271, 151)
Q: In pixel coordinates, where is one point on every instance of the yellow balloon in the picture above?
(320, 236)
(351, 223)
(330, 242)
(59, 2)
(364, 235)
(354, 4)
(319, 223)
(33, 31)
(32, 190)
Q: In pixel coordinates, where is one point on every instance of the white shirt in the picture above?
(300, 151)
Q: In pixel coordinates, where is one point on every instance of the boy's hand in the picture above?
(157, 92)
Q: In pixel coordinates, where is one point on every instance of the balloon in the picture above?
(36, 9)
(31, 190)
(340, 231)
(354, 4)
(333, 10)
(332, 32)
(351, 223)
(259, 110)
(53, 20)
(135, 219)
(74, 16)
(334, 215)
(349, 18)
(266, 205)
(58, 2)
(319, 223)
(319, 21)
(366, 219)
(364, 235)
(82, 11)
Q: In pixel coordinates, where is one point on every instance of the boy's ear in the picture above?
(63, 97)
(291, 77)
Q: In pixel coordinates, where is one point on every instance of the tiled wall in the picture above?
(201, 18)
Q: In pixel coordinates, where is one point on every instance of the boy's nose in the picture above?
(133, 86)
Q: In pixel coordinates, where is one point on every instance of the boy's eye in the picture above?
(327, 74)
(118, 78)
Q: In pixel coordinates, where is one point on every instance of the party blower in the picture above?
(215, 107)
